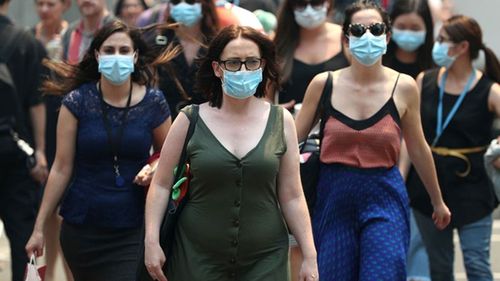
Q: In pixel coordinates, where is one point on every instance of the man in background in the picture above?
(22, 138)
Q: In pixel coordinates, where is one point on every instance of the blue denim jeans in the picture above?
(417, 267)
(475, 244)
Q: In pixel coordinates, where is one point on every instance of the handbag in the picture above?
(310, 151)
(177, 201)
(33, 272)
(492, 153)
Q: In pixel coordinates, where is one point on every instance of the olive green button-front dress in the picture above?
(232, 227)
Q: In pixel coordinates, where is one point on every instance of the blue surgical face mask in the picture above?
(440, 54)
(116, 68)
(241, 84)
(311, 18)
(186, 14)
(367, 49)
(408, 40)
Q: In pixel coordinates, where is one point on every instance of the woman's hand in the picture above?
(40, 172)
(154, 259)
(309, 270)
(145, 175)
(35, 244)
(496, 162)
(441, 216)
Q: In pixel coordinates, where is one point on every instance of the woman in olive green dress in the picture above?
(245, 187)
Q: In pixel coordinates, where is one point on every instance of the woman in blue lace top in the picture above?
(107, 124)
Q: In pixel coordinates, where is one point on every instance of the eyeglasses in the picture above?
(301, 5)
(358, 29)
(235, 64)
(175, 2)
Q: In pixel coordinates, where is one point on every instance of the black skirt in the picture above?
(100, 254)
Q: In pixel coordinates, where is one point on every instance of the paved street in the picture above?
(460, 274)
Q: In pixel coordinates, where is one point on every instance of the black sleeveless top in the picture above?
(412, 69)
(469, 198)
(302, 74)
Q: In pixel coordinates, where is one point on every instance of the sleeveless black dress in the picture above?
(302, 74)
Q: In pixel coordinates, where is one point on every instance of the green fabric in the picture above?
(232, 227)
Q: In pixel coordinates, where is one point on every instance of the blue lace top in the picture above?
(92, 197)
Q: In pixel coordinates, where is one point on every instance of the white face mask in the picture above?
(311, 18)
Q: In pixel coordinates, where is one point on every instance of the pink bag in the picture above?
(34, 272)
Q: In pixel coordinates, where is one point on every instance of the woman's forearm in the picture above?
(424, 164)
(404, 163)
(54, 190)
(156, 205)
(297, 218)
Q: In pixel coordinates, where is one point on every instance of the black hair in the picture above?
(119, 6)
(287, 35)
(424, 52)
(364, 5)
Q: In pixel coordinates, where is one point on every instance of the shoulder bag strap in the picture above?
(193, 118)
(324, 102)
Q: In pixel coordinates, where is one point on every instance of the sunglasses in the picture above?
(301, 5)
(358, 29)
(175, 2)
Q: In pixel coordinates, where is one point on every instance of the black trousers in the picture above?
(17, 209)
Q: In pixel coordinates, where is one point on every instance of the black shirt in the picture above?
(26, 69)
(412, 69)
(177, 75)
(302, 74)
(472, 197)
(266, 5)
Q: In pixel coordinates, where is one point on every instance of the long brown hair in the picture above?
(209, 24)
(287, 36)
(210, 85)
(463, 28)
(209, 27)
(71, 77)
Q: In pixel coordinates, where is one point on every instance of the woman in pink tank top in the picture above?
(360, 222)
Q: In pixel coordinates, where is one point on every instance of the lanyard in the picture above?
(114, 143)
(440, 127)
